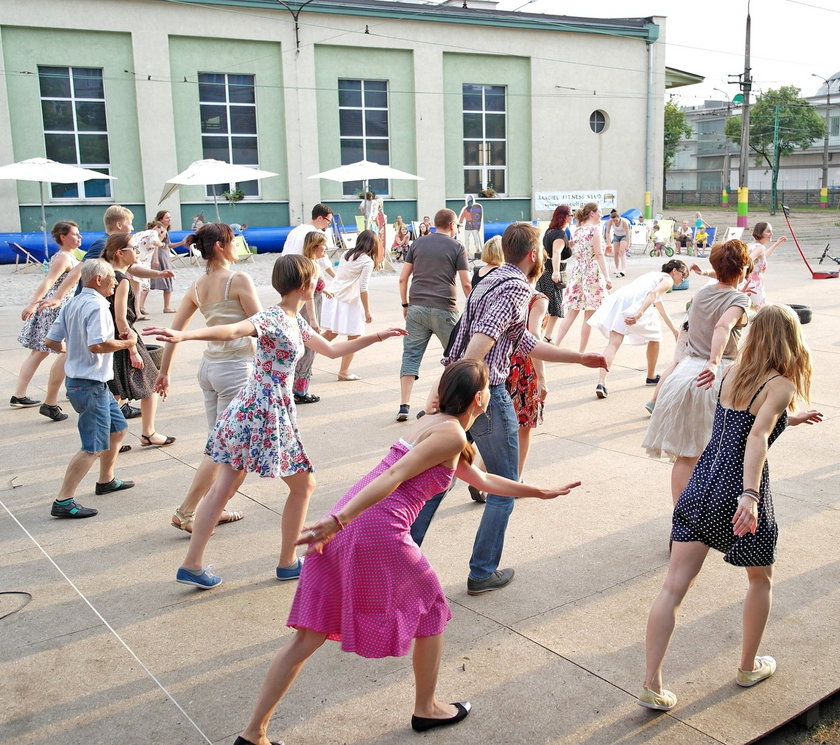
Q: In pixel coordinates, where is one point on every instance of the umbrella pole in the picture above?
(44, 222)
(216, 203)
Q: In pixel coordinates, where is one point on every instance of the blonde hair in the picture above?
(114, 215)
(491, 253)
(311, 241)
(774, 343)
(584, 212)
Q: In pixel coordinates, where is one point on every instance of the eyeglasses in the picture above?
(129, 248)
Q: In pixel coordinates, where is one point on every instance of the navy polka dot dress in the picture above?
(705, 509)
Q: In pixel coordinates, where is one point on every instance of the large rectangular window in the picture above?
(75, 126)
(485, 138)
(363, 129)
(228, 107)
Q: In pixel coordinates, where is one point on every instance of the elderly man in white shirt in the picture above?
(84, 330)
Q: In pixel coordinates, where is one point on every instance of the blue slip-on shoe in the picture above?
(284, 574)
(203, 580)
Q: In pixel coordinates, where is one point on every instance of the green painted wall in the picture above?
(189, 56)
(255, 214)
(476, 69)
(87, 216)
(395, 66)
(25, 49)
(498, 210)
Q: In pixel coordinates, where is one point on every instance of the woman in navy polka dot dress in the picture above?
(727, 503)
(365, 583)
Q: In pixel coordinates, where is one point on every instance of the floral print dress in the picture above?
(258, 431)
(587, 285)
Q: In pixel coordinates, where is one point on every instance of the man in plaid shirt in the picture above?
(493, 327)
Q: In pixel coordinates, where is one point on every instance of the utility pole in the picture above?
(824, 185)
(774, 190)
(745, 81)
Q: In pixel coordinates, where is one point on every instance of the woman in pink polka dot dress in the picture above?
(365, 582)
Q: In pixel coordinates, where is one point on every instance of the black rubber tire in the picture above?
(803, 311)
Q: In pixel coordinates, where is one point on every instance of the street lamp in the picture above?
(827, 126)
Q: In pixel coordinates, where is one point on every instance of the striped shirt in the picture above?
(500, 312)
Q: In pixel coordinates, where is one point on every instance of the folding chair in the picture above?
(23, 259)
(243, 251)
(191, 256)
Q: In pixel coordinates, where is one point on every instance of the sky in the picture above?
(791, 39)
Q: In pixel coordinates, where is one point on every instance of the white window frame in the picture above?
(72, 100)
(228, 104)
(484, 167)
(364, 137)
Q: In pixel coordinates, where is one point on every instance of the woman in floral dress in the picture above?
(588, 279)
(526, 381)
(36, 324)
(258, 431)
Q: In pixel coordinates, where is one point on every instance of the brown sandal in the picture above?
(146, 441)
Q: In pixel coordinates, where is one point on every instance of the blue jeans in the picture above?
(497, 437)
(421, 322)
(99, 414)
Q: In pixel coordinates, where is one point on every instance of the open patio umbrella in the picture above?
(44, 171)
(365, 170)
(210, 173)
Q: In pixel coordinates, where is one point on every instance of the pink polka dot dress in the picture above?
(373, 589)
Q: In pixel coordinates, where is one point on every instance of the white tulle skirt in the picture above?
(681, 423)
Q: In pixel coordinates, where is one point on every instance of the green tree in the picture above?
(676, 128)
(799, 125)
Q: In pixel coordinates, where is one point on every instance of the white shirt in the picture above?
(83, 321)
(296, 237)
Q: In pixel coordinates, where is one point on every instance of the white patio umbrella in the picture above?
(44, 171)
(365, 170)
(210, 173)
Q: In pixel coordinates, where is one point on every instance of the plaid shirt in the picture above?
(500, 313)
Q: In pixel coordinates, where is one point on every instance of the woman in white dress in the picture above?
(628, 315)
(348, 310)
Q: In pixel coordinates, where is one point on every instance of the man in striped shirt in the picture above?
(493, 327)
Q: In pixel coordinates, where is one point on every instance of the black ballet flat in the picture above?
(242, 741)
(421, 724)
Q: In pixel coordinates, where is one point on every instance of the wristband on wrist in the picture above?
(405, 305)
(748, 495)
(337, 521)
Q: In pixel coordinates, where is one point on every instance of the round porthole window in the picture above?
(598, 121)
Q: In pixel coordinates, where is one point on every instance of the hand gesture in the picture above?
(171, 336)
(136, 359)
(48, 302)
(161, 386)
(386, 333)
(316, 536)
(589, 359)
(558, 491)
(28, 311)
(745, 519)
(368, 317)
(707, 377)
(812, 416)
(631, 320)
(167, 274)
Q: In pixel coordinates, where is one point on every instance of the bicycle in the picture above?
(825, 253)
